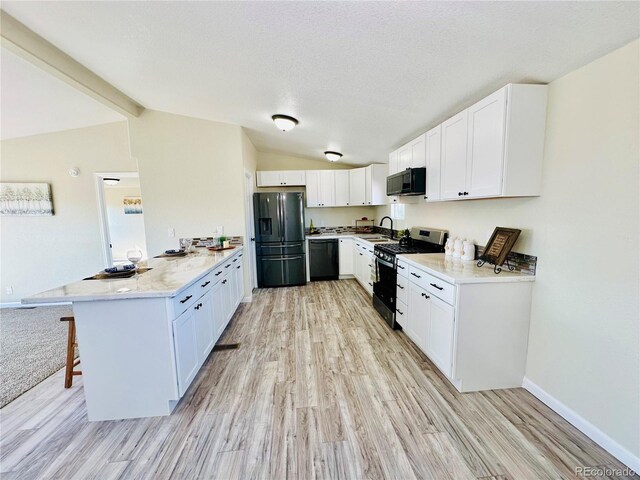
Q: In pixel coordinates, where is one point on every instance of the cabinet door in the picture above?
(205, 327)
(313, 184)
(345, 256)
(217, 294)
(227, 293)
(357, 262)
(269, 179)
(439, 341)
(417, 313)
(433, 163)
(239, 279)
(404, 157)
(368, 178)
(342, 188)
(418, 152)
(184, 341)
(368, 266)
(327, 188)
(454, 157)
(486, 139)
(357, 189)
(393, 162)
(293, 178)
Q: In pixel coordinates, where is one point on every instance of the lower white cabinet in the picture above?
(205, 329)
(476, 334)
(363, 264)
(345, 256)
(186, 348)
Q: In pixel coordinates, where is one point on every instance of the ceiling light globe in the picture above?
(333, 156)
(284, 122)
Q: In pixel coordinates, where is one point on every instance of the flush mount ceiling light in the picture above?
(110, 181)
(332, 156)
(284, 122)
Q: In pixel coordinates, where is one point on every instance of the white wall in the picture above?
(126, 231)
(322, 216)
(191, 174)
(39, 253)
(584, 346)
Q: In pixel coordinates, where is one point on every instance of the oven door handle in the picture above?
(385, 263)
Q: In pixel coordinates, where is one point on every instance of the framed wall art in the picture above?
(132, 205)
(25, 199)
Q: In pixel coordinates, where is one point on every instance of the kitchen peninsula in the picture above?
(143, 339)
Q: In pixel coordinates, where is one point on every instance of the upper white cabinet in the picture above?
(357, 189)
(280, 178)
(376, 184)
(432, 163)
(341, 187)
(492, 149)
(454, 156)
(321, 188)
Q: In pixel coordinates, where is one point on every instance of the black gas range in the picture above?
(421, 240)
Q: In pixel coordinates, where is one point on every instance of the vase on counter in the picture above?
(457, 248)
(468, 250)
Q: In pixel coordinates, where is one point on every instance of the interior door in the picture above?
(266, 207)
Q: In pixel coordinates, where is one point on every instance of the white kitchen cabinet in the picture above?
(454, 156)
(321, 189)
(205, 327)
(432, 163)
(186, 348)
(418, 152)
(238, 272)
(416, 317)
(219, 309)
(376, 184)
(357, 188)
(363, 263)
(357, 263)
(439, 334)
(393, 163)
(280, 178)
(494, 148)
(345, 256)
(341, 188)
(404, 157)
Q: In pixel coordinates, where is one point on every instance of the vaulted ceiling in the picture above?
(362, 77)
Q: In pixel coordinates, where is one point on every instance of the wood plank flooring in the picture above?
(319, 388)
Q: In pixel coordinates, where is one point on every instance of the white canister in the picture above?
(457, 248)
(448, 247)
(468, 250)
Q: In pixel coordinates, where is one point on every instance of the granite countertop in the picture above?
(168, 278)
(454, 270)
(364, 237)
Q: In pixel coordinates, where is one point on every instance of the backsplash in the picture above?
(209, 241)
(349, 229)
(522, 262)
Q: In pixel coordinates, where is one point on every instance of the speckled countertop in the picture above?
(454, 270)
(168, 278)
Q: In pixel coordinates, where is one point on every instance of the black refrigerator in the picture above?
(280, 241)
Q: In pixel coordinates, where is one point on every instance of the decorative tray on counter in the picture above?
(126, 274)
(219, 249)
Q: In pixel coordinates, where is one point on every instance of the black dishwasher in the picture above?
(323, 259)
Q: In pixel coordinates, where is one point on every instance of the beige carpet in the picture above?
(33, 343)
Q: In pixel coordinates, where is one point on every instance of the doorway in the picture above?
(249, 227)
(121, 213)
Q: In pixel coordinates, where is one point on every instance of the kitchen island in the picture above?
(143, 339)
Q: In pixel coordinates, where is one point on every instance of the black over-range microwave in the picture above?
(411, 181)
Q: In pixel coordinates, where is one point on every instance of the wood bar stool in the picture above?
(71, 350)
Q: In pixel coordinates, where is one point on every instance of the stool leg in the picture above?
(71, 339)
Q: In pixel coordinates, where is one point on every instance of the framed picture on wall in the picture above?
(499, 246)
(25, 199)
(132, 205)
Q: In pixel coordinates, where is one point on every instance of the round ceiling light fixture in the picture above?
(332, 156)
(110, 181)
(284, 122)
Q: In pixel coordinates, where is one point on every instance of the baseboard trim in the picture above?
(31, 305)
(247, 299)
(594, 433)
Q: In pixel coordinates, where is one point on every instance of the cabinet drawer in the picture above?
(401, 288)
(186, 298)
(205, 283)
(401, 313)
(403, 269)
(438, 288)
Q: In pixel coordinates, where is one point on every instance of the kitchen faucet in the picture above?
(391, 220)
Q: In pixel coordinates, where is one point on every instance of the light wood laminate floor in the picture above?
(320, 388)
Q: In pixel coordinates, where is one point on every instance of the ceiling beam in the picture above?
(32, 47)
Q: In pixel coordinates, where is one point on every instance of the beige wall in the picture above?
(39, 253)
(191, 174)
(585, 329)
(126, 231)
(322, 216)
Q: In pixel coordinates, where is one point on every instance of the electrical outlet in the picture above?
(171, 232)
(9, 290)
